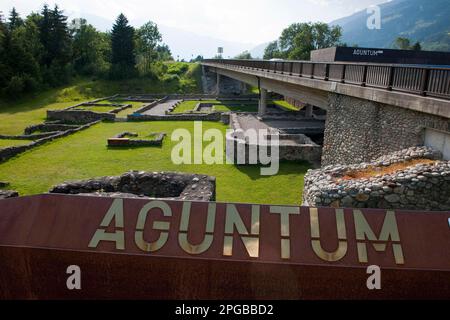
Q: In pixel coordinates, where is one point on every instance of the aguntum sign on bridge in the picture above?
(136, 248)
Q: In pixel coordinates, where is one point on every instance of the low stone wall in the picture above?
(213, 116)
(48, 127)
(149, 106)
(35, 136)
(423, 186)
(10, 152)
(121, 140)
(301, 151)
(150, 97)
(172, 185)
(78, 116)
(5, 194)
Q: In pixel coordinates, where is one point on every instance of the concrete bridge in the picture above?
(372, 109)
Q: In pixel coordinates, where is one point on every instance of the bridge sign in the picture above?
(164, 249)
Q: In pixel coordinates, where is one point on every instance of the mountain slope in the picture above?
(419, 20)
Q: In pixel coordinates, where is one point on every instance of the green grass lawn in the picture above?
(5, 143)
(188, 106)
(124, 113)
(85, 155)
(101, 109)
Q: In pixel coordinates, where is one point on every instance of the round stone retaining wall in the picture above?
(423, 186)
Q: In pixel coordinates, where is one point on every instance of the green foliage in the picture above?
(164, 53)
(272, 51)
(199, 58)
(299, 39)
(405, 44)
(177, 68)
(43, 51)
(91, 49)
(146, 39)
(244, 55)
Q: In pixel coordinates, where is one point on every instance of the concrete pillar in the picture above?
(309, 111)
(218, 84)
(262, 102)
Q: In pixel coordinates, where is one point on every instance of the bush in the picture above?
(178, 68)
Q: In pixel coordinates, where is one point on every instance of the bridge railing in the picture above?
(414, 79)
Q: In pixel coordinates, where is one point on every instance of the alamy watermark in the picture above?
(374, 19)
(242, 147)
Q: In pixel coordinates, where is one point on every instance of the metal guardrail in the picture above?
(414, 79)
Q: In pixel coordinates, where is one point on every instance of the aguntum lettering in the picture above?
(249, 236)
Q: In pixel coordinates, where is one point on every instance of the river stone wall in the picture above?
(418, 187)
(172, 185)
(359, 130)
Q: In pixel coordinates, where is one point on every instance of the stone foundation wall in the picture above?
(359, 130)
(45, 127)
(213, 116)
(10, 152)
(171, 185)
(424, 186)
(78, 116)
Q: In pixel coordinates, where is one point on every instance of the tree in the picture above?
(19, 67)
(299, 39)
(198, 58)
(14, 20)
(405, 44)
(122, 49)
(417, 46)
(311, 37)
(272, 51)
(90, 48)
(164, 53)
(57, 46)
(244, 55)
(147, 39)
(402, 43)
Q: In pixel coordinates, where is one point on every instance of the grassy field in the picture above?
(4, 143)
(85, 154)
(101, 109)
(187, 106)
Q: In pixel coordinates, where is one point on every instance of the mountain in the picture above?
(258, 51)
(419, 20)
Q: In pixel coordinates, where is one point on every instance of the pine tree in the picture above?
(122, 43)
(45, 31)
(15, 20)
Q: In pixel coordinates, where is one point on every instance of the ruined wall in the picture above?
(359, 130)
(420, 186)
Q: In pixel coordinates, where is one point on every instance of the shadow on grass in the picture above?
(286, 168)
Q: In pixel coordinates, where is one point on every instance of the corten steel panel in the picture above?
(40, 236)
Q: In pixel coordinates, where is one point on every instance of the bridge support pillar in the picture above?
(262, 102)
(218, 83)
(309, 111)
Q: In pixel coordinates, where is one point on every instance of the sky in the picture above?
(248, 22)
